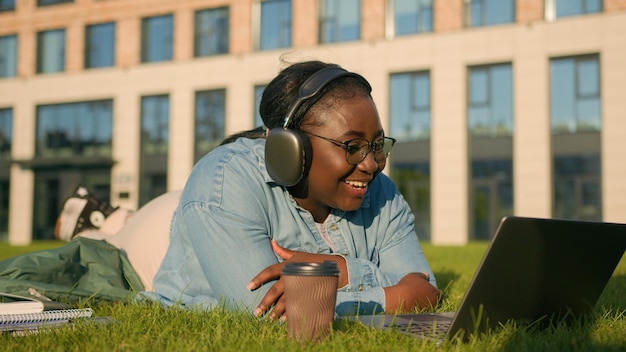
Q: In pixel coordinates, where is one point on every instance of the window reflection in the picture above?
(412, 16)
(155, 118)
(490, 100)
(8, 56)
(565, 8)
(490, 124)
(210, 121)
(100, 45)
(489, 12)
(7, 5)
(211, 32)
(6, 133)
(275, 31)
(258, 94)
(575, 113)
(575, 94)
(409, 123)
(75, 129)
(157, 37)
(51, 51)
(340, 20)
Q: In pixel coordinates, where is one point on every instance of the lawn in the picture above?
(142, 327)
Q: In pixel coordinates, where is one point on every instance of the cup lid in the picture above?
(327, 268)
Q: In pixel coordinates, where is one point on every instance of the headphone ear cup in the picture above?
(287, 155)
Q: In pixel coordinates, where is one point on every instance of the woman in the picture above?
(235, 226)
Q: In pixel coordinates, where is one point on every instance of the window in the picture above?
(490, 128)
(490, 100)
(489, 12)
(340, 20)
(7, 5)
(565, 8)
(258, 94)
(575, 94)
(211, 32)
(155, 119)
(6, 138)
(100, 45)
(410, 106)
(275, 25)
(75, 129)
(6, 133)
(210, 121)
(157, 37)
(411, 16)
(8, 56)
(575, 114)
(409, 123)
(51, 51)
(52, 2)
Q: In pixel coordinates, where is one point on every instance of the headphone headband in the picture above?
(314, 84)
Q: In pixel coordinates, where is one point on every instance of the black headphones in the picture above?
(288, 152)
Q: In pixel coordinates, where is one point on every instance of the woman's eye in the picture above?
(353, 148)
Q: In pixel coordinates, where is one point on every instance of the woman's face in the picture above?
(332, 182)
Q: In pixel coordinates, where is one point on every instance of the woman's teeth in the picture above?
(357, 184)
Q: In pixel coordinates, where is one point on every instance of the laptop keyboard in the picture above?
(423, 328)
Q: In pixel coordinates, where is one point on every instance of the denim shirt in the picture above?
(229, 211)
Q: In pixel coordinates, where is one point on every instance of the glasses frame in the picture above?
(370, 147)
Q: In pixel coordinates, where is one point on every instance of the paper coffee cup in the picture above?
(310, 295)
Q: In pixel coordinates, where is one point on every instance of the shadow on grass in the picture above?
(598, 331)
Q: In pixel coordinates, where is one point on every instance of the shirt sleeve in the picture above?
(394, 251)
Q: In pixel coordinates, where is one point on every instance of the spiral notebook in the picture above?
(21, 313)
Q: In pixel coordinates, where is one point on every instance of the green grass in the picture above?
(148, 327)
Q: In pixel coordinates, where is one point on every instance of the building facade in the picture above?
(500, 107)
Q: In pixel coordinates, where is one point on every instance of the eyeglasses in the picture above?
(358, 148)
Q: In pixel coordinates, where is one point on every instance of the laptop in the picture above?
(534, 271)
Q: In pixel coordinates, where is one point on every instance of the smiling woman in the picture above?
(311, 190)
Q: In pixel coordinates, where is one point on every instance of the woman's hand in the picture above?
(276, 294)
(412, 291)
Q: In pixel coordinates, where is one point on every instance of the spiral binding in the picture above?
(49, 315)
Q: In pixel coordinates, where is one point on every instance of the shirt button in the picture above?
(333, 227)
(360, 288)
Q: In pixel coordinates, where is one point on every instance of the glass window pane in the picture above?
(478, 88)
(157, 38)
(100, 45)
(7, 5)
(51, 51)
(490, 12)
(409, 113)
(75, 129)
(155, 124)
(490, 91)
(409, 123)
(154, 147)
(588, 77)
(6, 133)
(211, 32)
(340, 20)
(258, 94)
(575, 94)
(8, 56)
(52, 2)
(500, 11)
(275, 24)
(564, 8)
(412, 16)
(210, 121)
